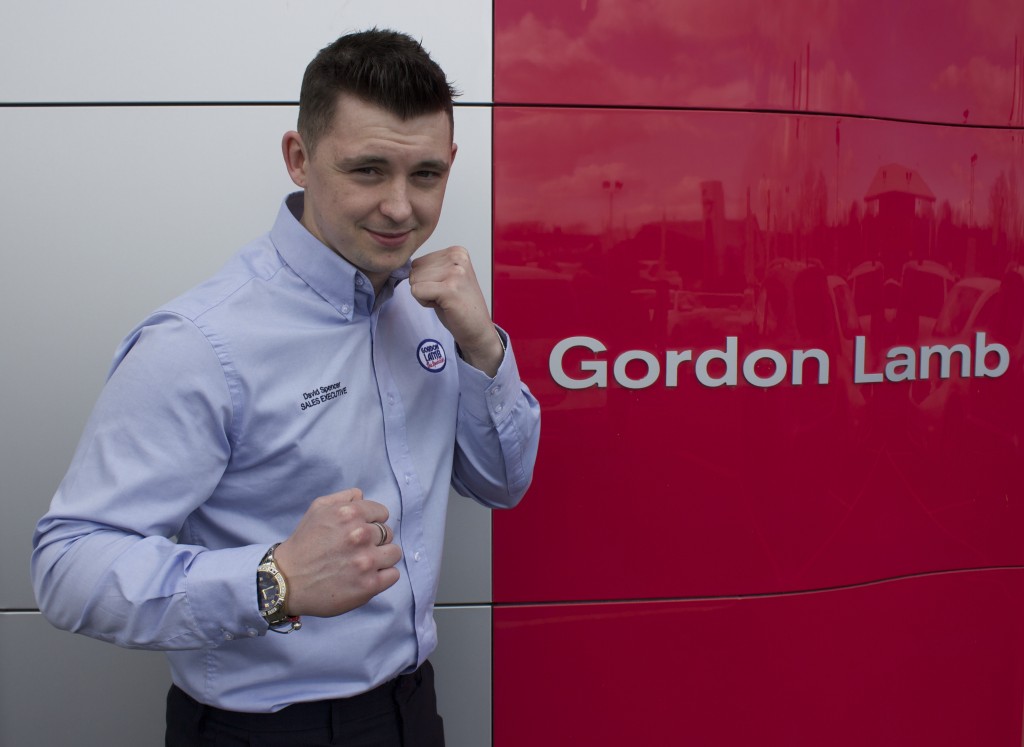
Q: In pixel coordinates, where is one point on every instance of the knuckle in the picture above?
(371, 582)
(348, 513)
(363, 564)
(358, 537)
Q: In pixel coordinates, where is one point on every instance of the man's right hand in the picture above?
(332, 561)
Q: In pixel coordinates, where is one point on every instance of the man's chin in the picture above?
(384, 267)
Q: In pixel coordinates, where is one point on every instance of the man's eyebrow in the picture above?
(371, 159)
(364, 160)
(433, 165)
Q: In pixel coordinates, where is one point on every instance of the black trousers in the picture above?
(399, 713)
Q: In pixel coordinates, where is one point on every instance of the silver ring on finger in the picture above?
(383, 532)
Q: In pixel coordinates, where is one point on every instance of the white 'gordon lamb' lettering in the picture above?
(904, 364)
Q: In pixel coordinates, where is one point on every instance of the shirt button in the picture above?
(496, 391)
(499, 407)
(418, 556)
(345, 308)
(253, 633)
(408, 479)
(228, 636)
(359, 281)
(391, 399)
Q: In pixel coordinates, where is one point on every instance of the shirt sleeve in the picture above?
(105, 560)
(497, 435)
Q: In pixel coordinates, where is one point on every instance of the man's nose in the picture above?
(395, 201)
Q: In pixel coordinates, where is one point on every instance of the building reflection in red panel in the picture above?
(934, 660)
(725, 316)
(942, 61)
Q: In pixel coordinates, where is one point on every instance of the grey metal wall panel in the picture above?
(463, 666)
(62, 689)
(232, 50)
(466, 564)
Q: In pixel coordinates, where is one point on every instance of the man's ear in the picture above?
(455, 149)
(296, 159)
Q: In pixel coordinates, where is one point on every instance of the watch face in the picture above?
(269, 595)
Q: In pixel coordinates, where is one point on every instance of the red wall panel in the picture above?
(943, 61)
(728, 226)
(725, 237)
(844, 668)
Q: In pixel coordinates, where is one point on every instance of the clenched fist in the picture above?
(445, 282)
(332, 561)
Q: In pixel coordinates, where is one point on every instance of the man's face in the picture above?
(374, 185)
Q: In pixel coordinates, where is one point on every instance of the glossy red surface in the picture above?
(927, 661)
(942, 61)
(756, 517)
(729, 225)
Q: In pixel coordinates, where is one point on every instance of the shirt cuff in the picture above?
(221, 590)
(486, 399)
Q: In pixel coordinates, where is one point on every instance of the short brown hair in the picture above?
(382, 67)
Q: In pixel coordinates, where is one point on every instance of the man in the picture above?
(272, 450)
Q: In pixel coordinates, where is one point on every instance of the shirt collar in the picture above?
(337, 280)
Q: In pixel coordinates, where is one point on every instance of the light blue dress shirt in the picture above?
(225, 414)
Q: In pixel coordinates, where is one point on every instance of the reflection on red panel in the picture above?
(779, 347)
(919, 59)
(928, 661)
(725, 315)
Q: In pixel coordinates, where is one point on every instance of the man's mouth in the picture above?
(389, 238)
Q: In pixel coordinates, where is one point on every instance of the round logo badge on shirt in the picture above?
(431, 355)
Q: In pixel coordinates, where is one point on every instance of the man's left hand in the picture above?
(445, 282)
